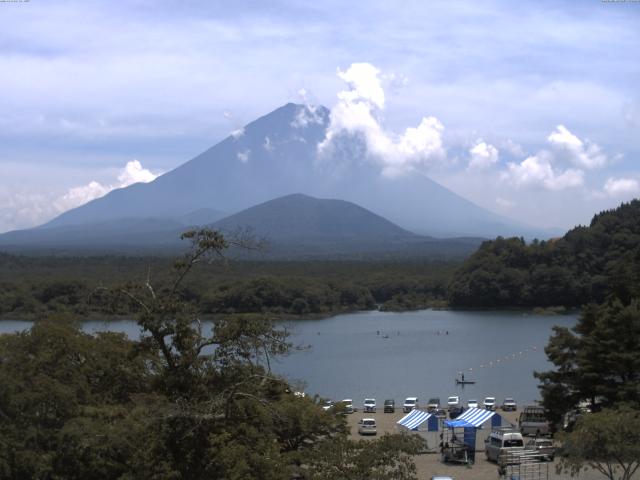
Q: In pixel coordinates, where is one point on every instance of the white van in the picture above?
(502, 443)
(409, 404)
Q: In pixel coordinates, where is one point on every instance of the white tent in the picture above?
(414, 419)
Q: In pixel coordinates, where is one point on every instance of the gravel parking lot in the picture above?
(429, 464)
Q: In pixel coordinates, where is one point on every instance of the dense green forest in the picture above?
(587, 265)
(31, 287)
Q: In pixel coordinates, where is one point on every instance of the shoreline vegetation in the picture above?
(33, 287)
(286, 291)
(587, 265)
(552, 311)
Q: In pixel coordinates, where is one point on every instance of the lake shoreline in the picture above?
(286, 317)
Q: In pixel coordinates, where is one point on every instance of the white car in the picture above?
(409, 404)
(370, 405)
(489, 403)
(348, 405)
(472, 403)
(509, 404)
(367, 426)
(453, 401)
(328, 405)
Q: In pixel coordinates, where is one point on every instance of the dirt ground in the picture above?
(429, 464)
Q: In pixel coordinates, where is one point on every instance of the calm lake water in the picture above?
(395, 355)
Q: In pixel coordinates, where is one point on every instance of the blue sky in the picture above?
(89, 87)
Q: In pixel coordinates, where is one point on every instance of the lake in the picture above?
(395, 355)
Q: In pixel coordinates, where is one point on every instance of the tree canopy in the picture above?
(607, 441)
(586, 265)
(182, 402)
(597, 361)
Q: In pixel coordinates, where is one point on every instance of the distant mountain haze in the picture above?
(297, 216)
(299, 226)
(295, 226)
(277, 155)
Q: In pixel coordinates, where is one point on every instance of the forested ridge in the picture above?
(587, 265)
(31, 287)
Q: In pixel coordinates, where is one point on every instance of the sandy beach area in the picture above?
(429, 464)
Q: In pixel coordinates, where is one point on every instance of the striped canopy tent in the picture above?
(472, 417)
(474, 423)
(415, 418)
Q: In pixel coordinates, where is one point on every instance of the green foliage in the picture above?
(607, 441)
(181, 403)
(34, 287)
(586, 265)
(386, 458)
(598, 360)
(59, 384)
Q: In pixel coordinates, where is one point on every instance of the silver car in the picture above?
(367, 426)
(542, 446)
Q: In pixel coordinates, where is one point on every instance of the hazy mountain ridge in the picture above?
(294, 227)
(299, 216)
(270, 159)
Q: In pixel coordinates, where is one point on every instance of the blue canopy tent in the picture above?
(470, 422)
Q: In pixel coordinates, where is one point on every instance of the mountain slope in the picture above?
(300, 226)
(297, 216)
(277, 155)
(294, 227)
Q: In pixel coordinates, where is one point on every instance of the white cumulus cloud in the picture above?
(244, 156)
(77, 196)
(24, 209)
(308, 113)
(482, 155)
(621, 187)
(562, 166)
(583, 154)
(537, 170)
(357, 112)
(133, 172)
(237, 133)
(364, 84)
